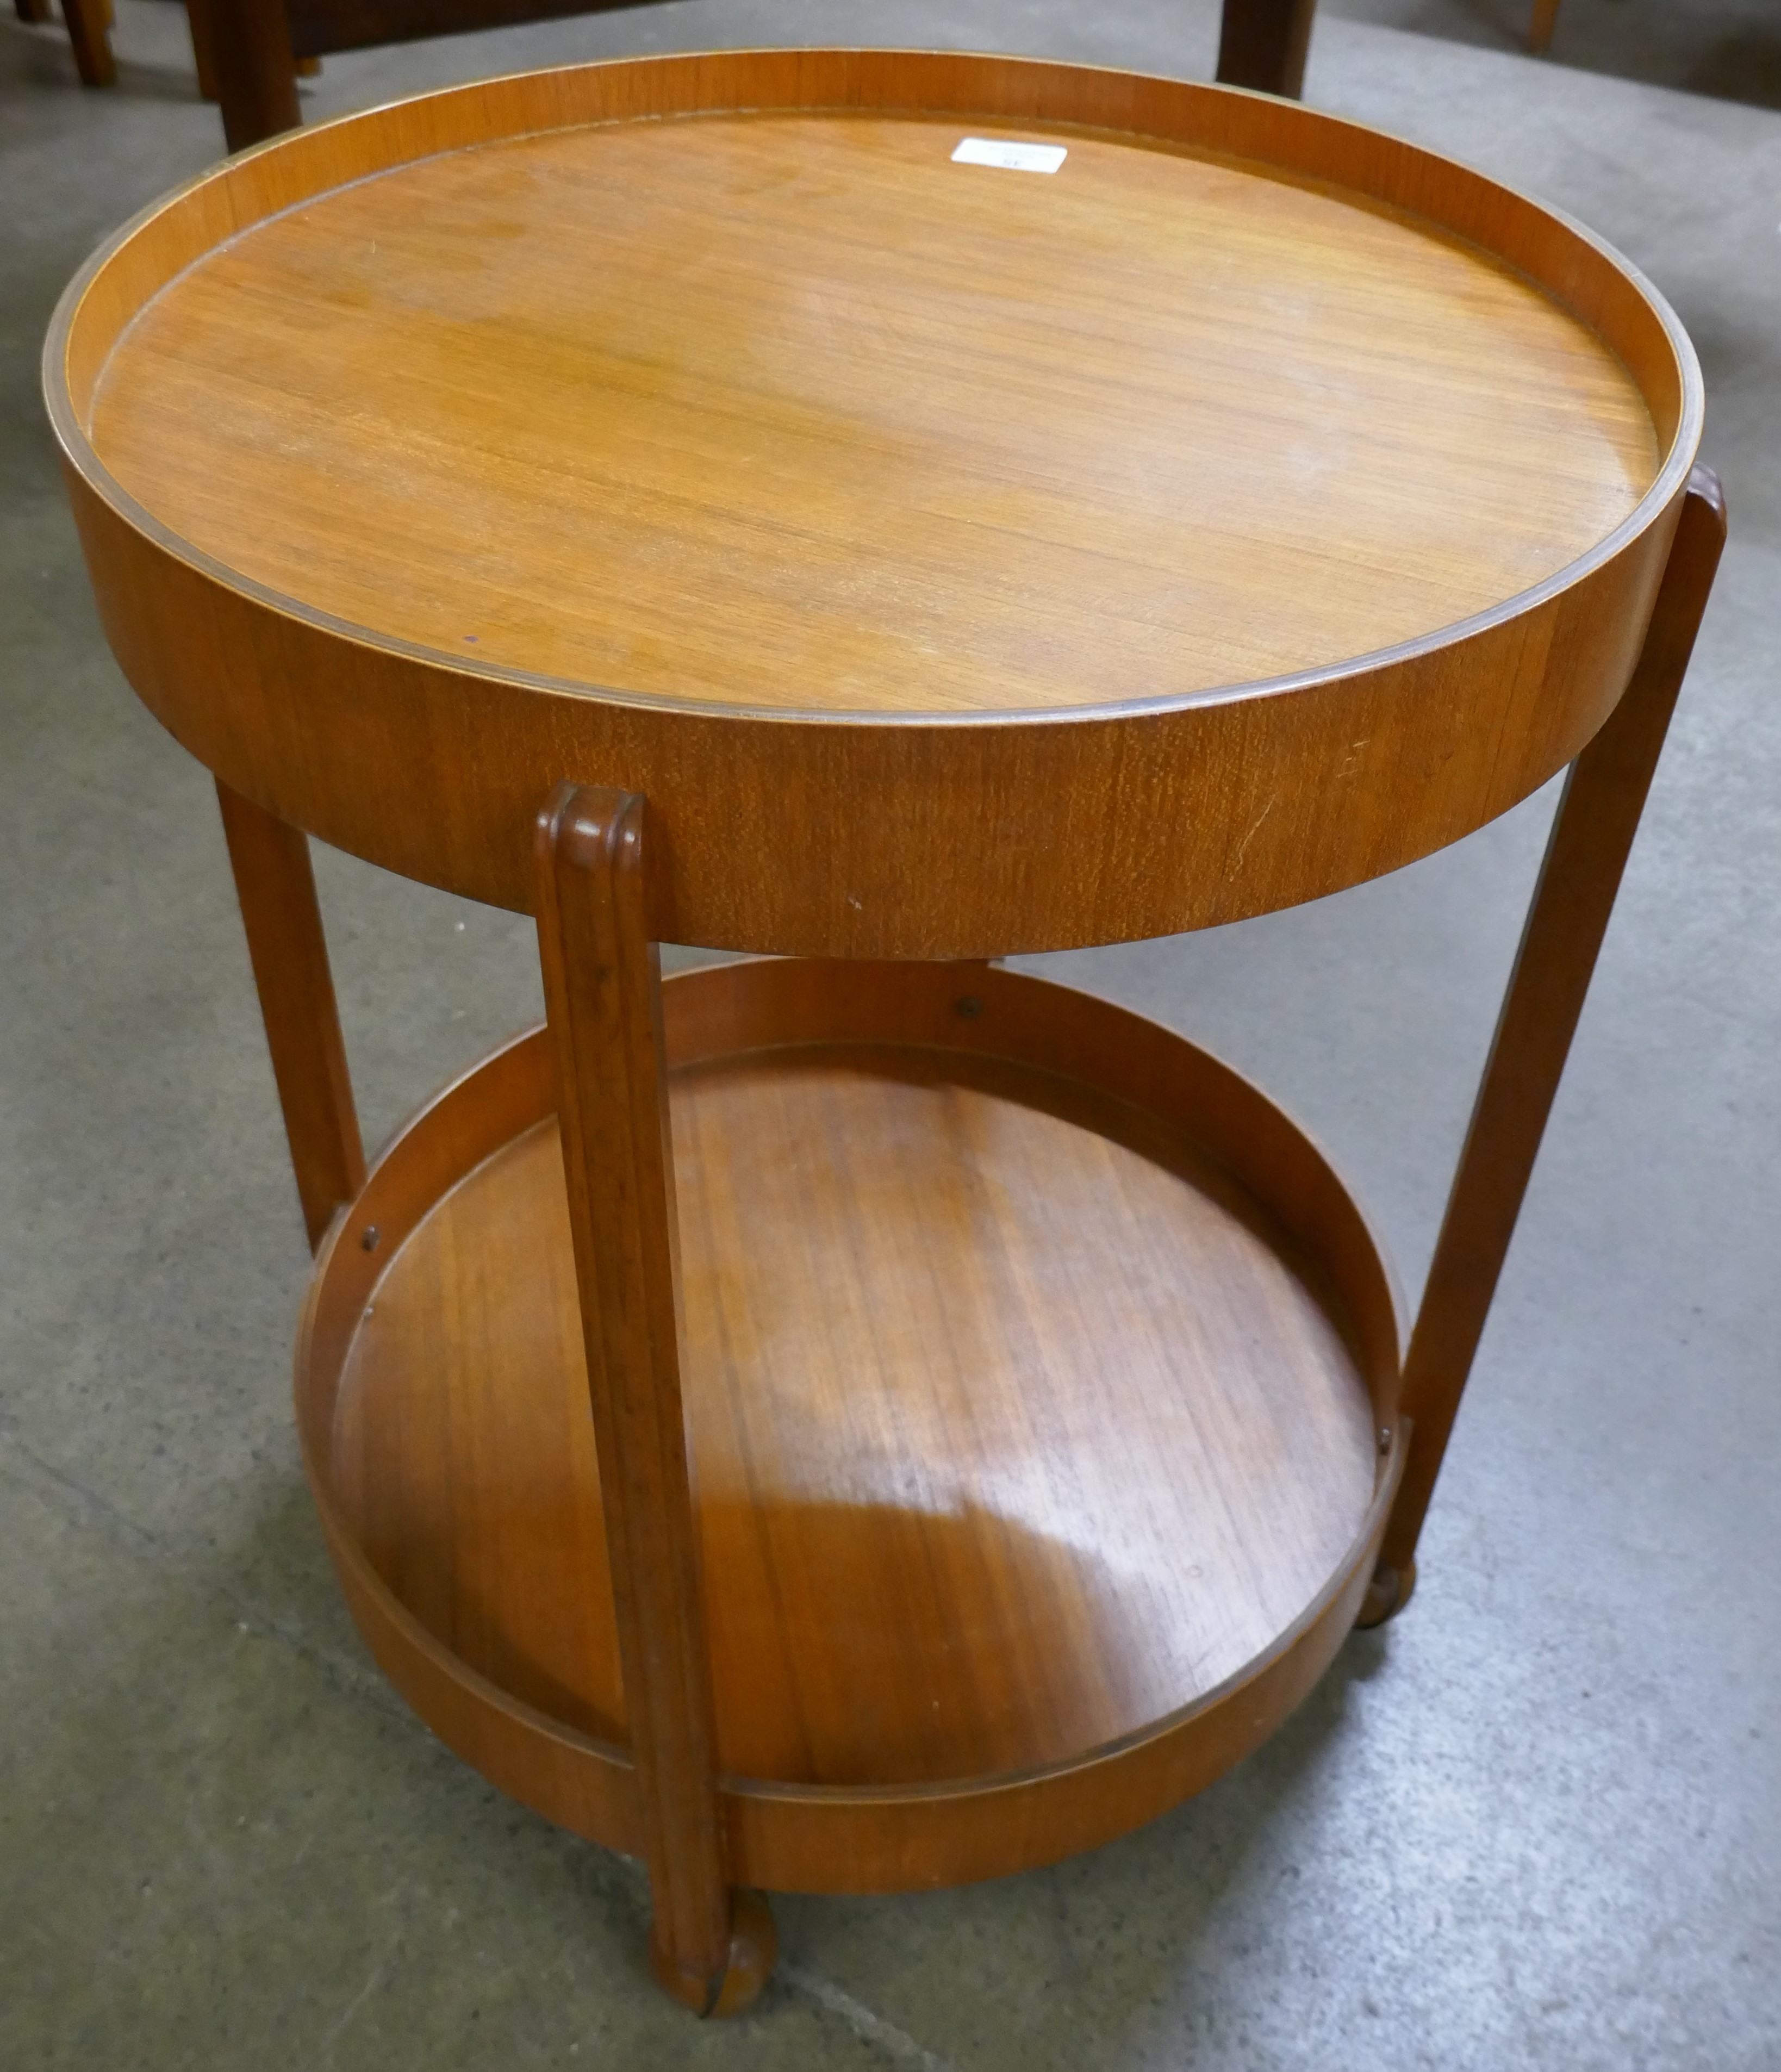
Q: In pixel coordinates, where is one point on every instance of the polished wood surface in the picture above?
(1019, 1428)
(920, 436)
(275, 884)
(957, 561)
(958, 1370)
(614, 1173)
(835, 463)
(1591, 839)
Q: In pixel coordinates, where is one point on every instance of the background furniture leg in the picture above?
(255, 73)
(1539, 29)
(32, 11)
(197, 21)
(89, 31)
(276, 885)
(1262, 44)
(1592, 835)
(710, 1950)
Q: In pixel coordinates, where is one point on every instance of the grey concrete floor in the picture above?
(1537, 1821)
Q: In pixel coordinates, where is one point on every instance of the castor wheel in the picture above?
(753, 1944)
(1387, 1594)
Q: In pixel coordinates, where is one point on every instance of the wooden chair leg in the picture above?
(1262, 44)
(276, 885)
(1592, 835)
(255, 75)
(203, 31)
(1539, 29)
(32, 11)
(711, 1948)
(89, 31)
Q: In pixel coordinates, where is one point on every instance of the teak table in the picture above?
(860, 1419)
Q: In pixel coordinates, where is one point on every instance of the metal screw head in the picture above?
(1384, 1438)
(970, 1007)
(369, 1240)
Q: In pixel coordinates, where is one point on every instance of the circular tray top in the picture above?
(779, 410)
(792, 411)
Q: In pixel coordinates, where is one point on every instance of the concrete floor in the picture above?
(1536, 1822)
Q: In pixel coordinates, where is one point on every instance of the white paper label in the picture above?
(1012, 158)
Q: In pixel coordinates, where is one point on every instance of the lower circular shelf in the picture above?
(1038, 1375)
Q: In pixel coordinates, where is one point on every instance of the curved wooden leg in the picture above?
(1262, 44)
(1539, 29)
(1591, 837)
(276, 885)
(710, 1949)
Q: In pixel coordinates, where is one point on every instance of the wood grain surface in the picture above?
(275, 884)
(908, 435)
(868, 1440)
(956, 560)
(1592, 837)
(807, 441)
(1010, 1437)
(602, 995)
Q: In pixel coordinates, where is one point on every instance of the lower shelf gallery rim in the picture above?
(1040, 1383)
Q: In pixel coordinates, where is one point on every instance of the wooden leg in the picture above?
(711, 1949)
(32, 11)
(197, 21)
(276, 889)
(255, 73)
(1591, 837)
(1262, 44)
(89, 31)
(1539, 29)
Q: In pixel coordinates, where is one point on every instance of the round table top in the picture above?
(796, 411)
(793, 408)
